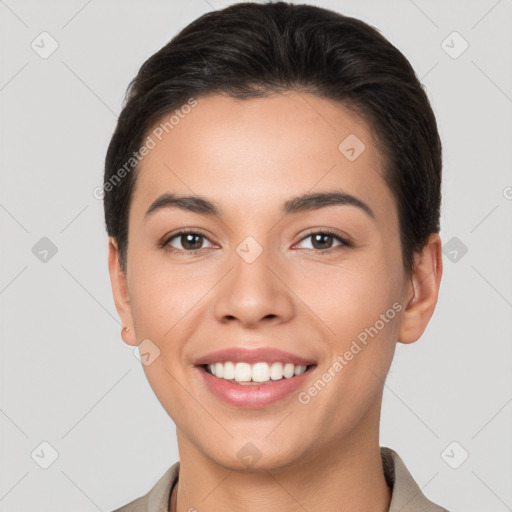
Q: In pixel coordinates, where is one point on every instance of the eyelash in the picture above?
(344, 243)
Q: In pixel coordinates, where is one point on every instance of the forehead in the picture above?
(255, 153)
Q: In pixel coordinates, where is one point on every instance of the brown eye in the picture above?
(185, 241)
(325, 240)
(190, 241)
(322, 241)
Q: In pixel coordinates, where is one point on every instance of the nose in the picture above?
(254, 293)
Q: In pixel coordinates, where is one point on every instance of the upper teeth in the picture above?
(258, 372)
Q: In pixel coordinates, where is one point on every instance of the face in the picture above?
(263, 277)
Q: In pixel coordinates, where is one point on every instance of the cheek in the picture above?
(348, 296)
(358, 301)
(151, 304)
(167, 303)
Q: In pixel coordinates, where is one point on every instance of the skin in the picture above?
(250, 157)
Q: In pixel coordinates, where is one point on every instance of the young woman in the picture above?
(272, 197)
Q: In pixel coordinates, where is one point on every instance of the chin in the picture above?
(253, 454)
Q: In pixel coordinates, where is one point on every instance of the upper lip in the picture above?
(254, 355)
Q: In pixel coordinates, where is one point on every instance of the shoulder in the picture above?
(406, 494)
(157, 498)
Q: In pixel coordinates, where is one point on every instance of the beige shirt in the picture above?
(406, 495)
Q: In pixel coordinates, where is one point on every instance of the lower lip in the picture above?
(253, 396)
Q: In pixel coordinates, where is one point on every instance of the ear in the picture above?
(420, 297)
(120, 292)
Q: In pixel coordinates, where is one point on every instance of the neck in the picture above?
(345, 475)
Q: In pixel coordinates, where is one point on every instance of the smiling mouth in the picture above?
(257, 373)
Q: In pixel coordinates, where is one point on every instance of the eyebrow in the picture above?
(303, 203)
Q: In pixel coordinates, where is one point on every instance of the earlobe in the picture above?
(120, 293)
(421, 295)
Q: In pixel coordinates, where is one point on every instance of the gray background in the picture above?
(68, 379)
